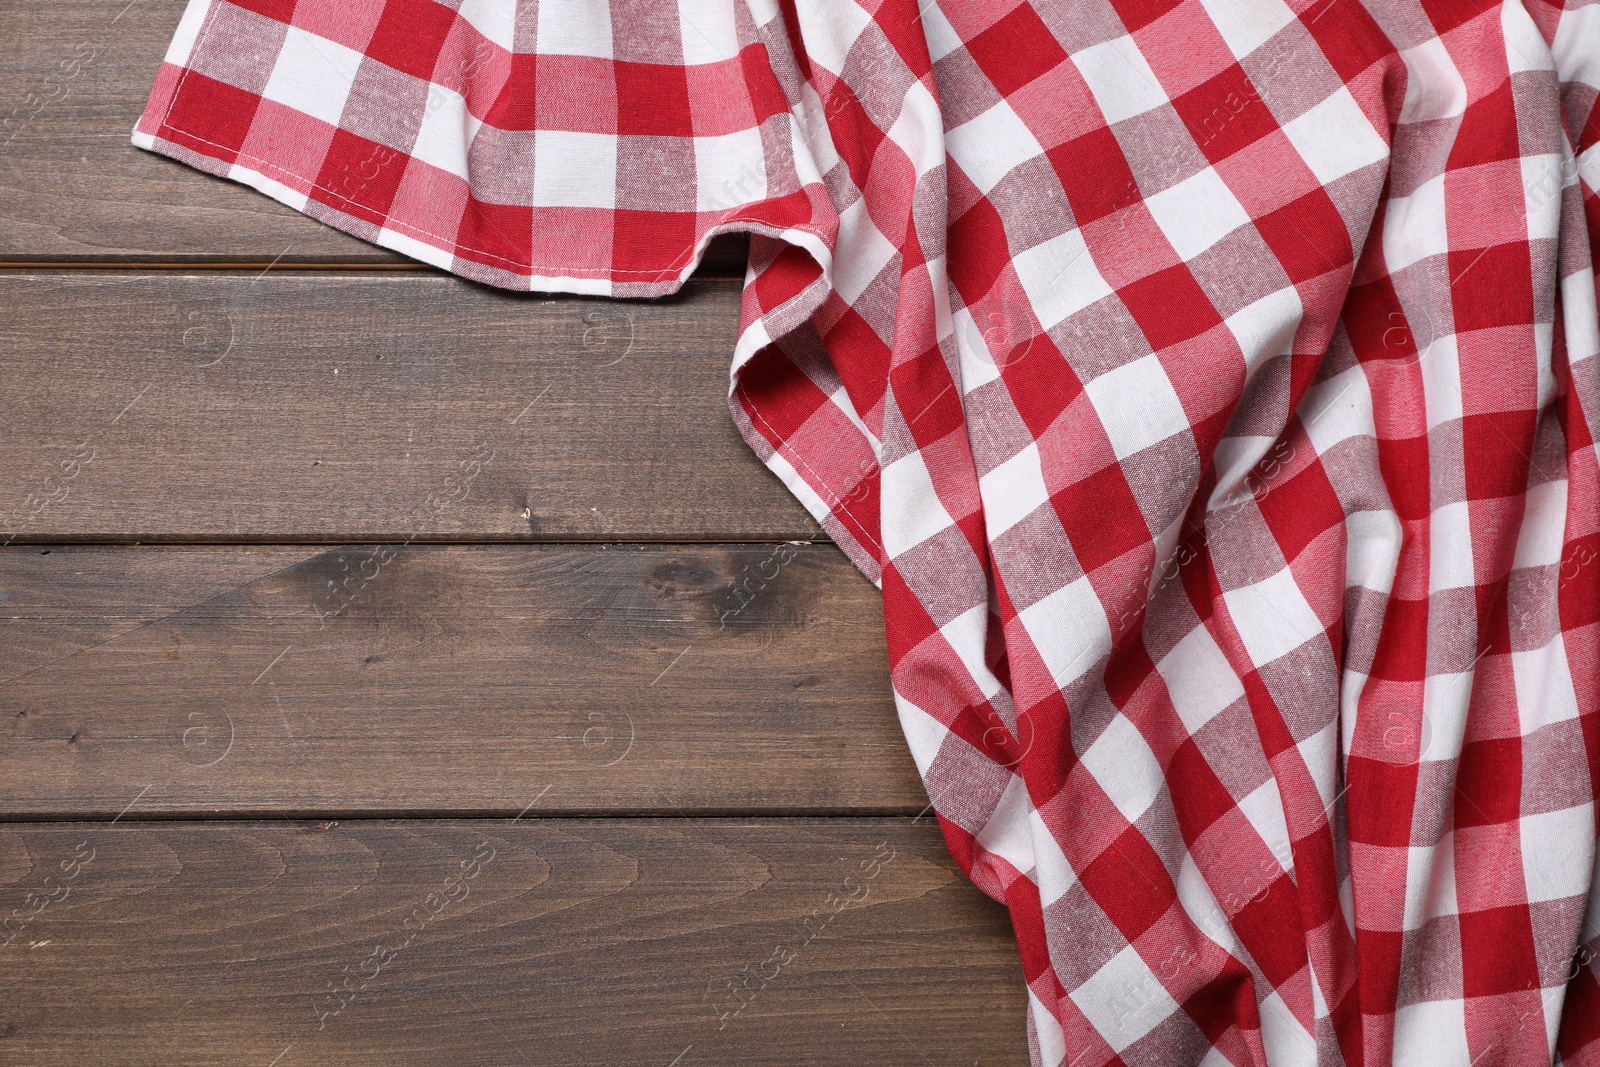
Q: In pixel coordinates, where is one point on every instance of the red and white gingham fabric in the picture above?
(1210, 387)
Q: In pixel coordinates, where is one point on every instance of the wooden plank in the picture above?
(73, 80)
(693, 943)
(325, 682)
(315, 407)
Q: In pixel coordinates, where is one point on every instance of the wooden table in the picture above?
(400, 671)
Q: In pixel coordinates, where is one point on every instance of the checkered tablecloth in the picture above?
(1210, 387)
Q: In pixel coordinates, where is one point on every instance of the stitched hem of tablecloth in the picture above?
(825, 509)
(671, 277)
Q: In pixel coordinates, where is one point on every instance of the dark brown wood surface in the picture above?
(335, 407)
(446, 943)
(325, 681)
(398, 671)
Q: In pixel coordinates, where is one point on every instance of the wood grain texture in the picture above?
(74, 79)
(457, 679)
(693, 943)
(314, 407)
(330, 636)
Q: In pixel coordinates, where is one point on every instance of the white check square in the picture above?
(1336, 138)
(967, 634)
(1573, 49)
(1546, 692)
(1248, 24)
(1414, 226)
(574, 169)
(1137, 405)
(1440, 365)
(1434, 87)
(730, 170)
(1059, 277)
(1013, 491)
(313, 75)
(1263, 810)
(574, 28)
(1552, 869)
(1046, 1030)
(1051, 868)
(1450, 548)
(989, 147)
(1120, 78)
(1121, 761)
(1432, 1032)
(1197, 213)
(925, 735)
(1542, 537)
(446, 130)
(1199, 679)
(1070, 630)
(1430, 883)
(908, 495)
(709, 34)
(871, 251)
(1124, 1000)
(1008, 833)
(494, 19)
(1272, 617)
(1266, 328)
